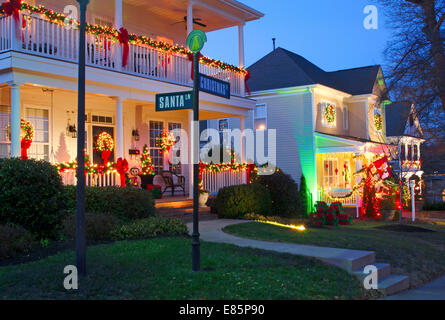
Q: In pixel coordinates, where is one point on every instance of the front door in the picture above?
(97, 130)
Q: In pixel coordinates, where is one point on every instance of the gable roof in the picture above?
(283, 69)
(397, 119)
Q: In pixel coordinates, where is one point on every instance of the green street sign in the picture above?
(174, 101)
(196, 40)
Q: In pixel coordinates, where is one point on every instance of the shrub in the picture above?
(284, 192)
(149, 228)
(236, 201)
(98, 226)
(31, 195)
(14, 240)
(123, 203)
(303, 193)
(388, 203)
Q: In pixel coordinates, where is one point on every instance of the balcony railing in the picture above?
(41, 37)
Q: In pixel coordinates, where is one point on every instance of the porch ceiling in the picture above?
(215, 14)
(326, 143)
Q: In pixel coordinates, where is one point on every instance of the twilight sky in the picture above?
(329, 33)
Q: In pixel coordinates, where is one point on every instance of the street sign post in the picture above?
(174, 101)
(195, 42)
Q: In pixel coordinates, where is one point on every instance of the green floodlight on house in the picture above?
(386, 102)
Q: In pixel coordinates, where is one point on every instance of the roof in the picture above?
(397, 116)
(283, 69)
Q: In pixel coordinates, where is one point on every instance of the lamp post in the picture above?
(80, 195)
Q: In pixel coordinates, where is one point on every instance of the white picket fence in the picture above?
(213, 182)
(327, 196)
(44, 38)
(92, 180)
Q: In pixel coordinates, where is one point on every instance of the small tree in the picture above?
(146, 164)
(371, 203)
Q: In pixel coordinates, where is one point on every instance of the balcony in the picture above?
(38, 36)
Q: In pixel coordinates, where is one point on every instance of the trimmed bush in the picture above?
(236, 201)
(14, 240)
(98, 226)
(123, 203)
(150, 228)
(305, 206)
(284, 192)
(434, 206)
(31, 196)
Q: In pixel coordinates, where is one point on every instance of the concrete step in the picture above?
(174, 204)
(383, 271)
(393, 284)
(353, 260)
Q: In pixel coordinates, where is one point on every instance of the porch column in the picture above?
(241, 44)
(242, 127)
(118, 23)
(190, 17)
(15, 120)
(119, 128)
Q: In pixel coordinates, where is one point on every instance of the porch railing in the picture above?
(92, 180)
(41, 37)
(213, 182)
(338, 196)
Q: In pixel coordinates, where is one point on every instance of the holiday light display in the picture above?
(146, 162)
(105, 145)
(27, 136)
(166, 140)
(329, 113)
(378, 122)
(118, 36)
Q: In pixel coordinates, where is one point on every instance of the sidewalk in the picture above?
(212, 231)
(432, 291)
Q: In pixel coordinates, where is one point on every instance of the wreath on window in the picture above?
(378, 122)
(166, 140)
(105, 145)
(329, 113)
(26, 133)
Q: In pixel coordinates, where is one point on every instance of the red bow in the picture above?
(246, 78)
(250, 169)
(124, 38)
(122, 168)
(12, 8)
(106, 155)
(191, 58)
(25, 145)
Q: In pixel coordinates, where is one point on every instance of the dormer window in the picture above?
(411, 120)
(328, 114)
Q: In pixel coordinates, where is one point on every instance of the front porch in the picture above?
(338, 159)
(132, 123)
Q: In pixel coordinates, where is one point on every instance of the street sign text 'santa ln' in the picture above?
(174, 101)
(214, 86)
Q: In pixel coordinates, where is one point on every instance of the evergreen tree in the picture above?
(305, 206)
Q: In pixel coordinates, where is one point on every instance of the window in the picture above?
(345, 117)
(402, 152)
(330, 173)
(102, 119)
(5, 132)
(416, 153)
(261, 117)
(328, 114)
(177, 169)
(40, 120)
(156, 128)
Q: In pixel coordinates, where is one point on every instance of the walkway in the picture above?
(352, 261)
(432, 291)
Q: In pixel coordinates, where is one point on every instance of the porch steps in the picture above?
(183, 210)
(354, 262)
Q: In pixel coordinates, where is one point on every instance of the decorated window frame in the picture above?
(328, 114)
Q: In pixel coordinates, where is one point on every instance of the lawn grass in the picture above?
(161, 269)
(421, 256)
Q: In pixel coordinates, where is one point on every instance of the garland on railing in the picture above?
(250, 169)
(90, 168)
(113, 34)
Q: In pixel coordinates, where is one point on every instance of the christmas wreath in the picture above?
(104, 144)
(329, 113)
(378, 122)
(166, 140)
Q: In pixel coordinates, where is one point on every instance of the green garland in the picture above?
(378, 122)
